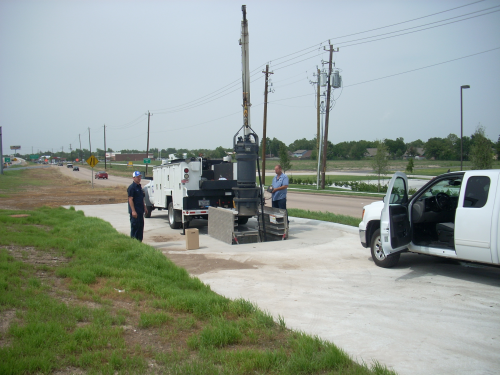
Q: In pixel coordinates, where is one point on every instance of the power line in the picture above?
(415, 31)
(424, 67)
(388, 37)
(396, 74)
(214, 95)
(377, 28)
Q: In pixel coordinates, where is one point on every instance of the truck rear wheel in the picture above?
(148, 213)
(242, 220)
(173, 214)
(378, 255)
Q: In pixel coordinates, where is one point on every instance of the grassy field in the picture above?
(76, 296)
(365, 165)
(324, 216)
(421, 167)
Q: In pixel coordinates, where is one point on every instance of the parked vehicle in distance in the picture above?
(455, 215)
(69, 165)
(75, 168)
(60, 164)
(101, 174)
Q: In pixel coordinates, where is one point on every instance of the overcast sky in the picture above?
(67, 66)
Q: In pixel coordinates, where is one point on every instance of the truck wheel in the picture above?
(148, 214)
(172, 216)
(242, 220)
(378, 255)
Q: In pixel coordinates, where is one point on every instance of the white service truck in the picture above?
(188, 187)
(455, 215)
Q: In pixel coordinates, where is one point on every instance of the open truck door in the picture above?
(395, 228)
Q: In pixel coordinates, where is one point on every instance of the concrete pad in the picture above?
(426, 316)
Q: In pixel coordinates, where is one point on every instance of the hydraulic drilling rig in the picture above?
(246, 147)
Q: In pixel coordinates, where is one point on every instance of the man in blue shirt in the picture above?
(280, 185)
(136, 207)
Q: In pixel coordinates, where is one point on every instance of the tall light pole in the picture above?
(462, 126)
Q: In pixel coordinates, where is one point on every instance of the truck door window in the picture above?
(398, 193)
(476, 192)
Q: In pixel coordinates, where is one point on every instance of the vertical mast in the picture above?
(245, 71)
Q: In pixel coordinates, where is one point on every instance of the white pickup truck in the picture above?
(455, 215)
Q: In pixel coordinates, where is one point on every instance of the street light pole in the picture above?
(462, 126)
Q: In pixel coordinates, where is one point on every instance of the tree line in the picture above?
(447, 148)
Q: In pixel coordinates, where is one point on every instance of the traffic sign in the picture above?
(92, 161)
(34, 156)
(7, 160)
(147, 161)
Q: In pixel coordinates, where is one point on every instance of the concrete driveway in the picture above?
(426, 316)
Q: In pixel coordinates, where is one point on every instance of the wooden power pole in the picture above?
(327, 118)
(147, 148)
(105, 166)
(266, 90)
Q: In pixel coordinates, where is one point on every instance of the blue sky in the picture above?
(67, 66)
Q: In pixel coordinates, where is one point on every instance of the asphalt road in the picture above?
(342, 205)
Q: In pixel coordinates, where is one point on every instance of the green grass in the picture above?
(200, 331)
(365, 165)
(16, 180)
(324, 216)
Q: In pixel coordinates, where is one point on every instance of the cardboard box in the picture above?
(192, 239)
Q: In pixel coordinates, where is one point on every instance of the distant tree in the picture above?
(481, 154)
(219, 152)
(497, 148)
(314, 155)
(302, 144)
(380, 162)
(284, 158)
(433, 147)
(415, 144)
(409, 166)
(272, 146)
(396, 148)
(340, 151)
(358, 149)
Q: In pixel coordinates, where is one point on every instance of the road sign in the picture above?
(34, 156)
(130, 164)
(7, 160)
(92, 161)
(147, 161)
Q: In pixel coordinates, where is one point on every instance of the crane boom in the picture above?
(245, 71)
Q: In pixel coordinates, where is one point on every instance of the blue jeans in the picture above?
(280, 203)
(137, 227)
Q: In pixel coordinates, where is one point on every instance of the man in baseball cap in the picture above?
(136, 206)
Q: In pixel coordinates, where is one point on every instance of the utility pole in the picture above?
(318, 114)
(105, 146)
(147, 148)
(90, 144)
(80, 147)
(328, 90)
(266, 72)
(1, 152)
(92, 175)
(319, 83)
(70, 152)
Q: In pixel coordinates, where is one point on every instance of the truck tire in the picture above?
(242, 220)
(148, 214)
(378, 255)
(172, 215)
